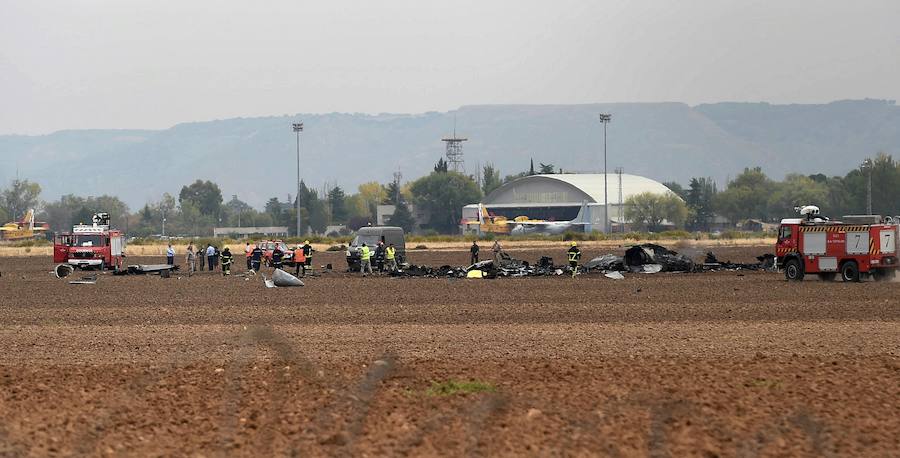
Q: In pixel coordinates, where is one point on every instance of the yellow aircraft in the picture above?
(23, 230)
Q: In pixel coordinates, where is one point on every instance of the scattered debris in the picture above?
(141, 269)
(766, 262)
(63, 270)
(647, 258)
(474, 273)
(88, 280)
(607, 262)
(647, 269)
(649, 253)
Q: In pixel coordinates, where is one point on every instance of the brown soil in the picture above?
(728, 363)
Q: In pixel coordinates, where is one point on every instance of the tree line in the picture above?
(441, 194)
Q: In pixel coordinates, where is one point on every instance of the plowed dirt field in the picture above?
(727, 363)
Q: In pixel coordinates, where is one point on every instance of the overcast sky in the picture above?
(152, 64)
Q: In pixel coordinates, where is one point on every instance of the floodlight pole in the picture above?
(298, 127)
(605, 118)
(868, 166)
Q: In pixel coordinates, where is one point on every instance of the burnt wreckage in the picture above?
(644, 258)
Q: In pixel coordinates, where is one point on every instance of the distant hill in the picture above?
(255, 157)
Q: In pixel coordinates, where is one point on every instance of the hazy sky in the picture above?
(151, 64)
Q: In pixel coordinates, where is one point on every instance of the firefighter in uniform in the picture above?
(574, 254)
(379, 256)
(307, 252)
(227, 259)
(390, 255)
(365, 260)
(299, 261)
(256, 258)
(277, 256)
(474, 249)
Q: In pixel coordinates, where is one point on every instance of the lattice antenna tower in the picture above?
(454, 150)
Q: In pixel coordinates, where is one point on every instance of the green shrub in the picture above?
(452, 387)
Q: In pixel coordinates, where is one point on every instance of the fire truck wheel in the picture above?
(850, 271)
(793, 271)
(827, 276)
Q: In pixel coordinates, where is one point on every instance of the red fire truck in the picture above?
(91, 246)
(856, 247)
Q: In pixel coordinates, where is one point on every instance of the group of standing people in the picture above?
(301, 256)
(496, 251)
(385, 258)
(209, 257)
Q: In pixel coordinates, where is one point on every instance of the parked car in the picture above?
(371, 236)
(268, 247)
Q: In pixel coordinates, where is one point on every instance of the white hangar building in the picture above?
(564, 197)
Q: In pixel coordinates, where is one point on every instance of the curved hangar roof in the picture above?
(571, 188)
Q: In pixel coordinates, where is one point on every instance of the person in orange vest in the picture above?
(299, 261)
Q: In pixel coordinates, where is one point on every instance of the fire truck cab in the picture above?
(857, 247)
(91, 246)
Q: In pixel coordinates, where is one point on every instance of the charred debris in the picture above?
(646, 258)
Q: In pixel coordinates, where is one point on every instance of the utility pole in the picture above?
(298, 127)
(619, 171)
(867, 166)
(605, 118)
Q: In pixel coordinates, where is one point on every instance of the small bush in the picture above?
(453, 387)
(340, 247)
(420, 247)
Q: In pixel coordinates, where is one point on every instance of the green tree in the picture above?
(649, 210)
(796, 190)
(531, 168)
(19, 197)
(402, 217)
(338, 204)
(392, 191)
(205, 195)
(238, 211)
(275, 210)
(699, 198)
(747, 196)
(442, 195)
(441, 166)
(372, 194)
(676, 188)
(545, 169)
(490, 179)
(71, 209)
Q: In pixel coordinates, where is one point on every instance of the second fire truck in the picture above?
(857, 247)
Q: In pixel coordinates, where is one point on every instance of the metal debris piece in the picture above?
(649, 253)
(283, 279)
(607, 262)
(142, 269)
(615, 275)
(63, 270)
